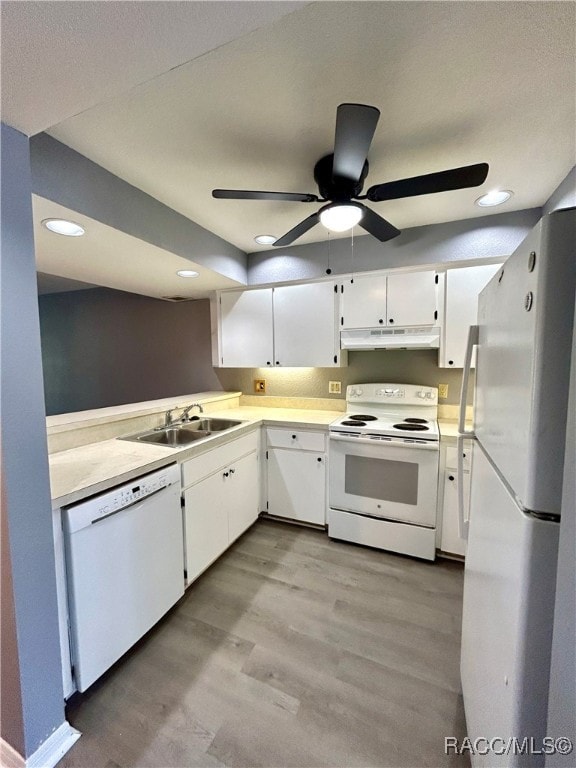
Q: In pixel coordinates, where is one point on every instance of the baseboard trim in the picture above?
(48, 754)
(9, 758)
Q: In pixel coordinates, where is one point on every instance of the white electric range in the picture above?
(384, 458)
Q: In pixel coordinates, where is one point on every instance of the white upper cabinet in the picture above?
(246, 329)
(463, 285)
(390, 300)
(305, 330)
(364, 301)
(412, 299)
(292, 325)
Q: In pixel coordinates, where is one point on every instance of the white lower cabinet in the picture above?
(221, 500)
(451, 541)
(296, 475)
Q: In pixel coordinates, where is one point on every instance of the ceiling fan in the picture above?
(340, 179)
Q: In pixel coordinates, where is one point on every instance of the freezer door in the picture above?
(525, 330)
(507, 618)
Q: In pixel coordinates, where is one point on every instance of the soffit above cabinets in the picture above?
(107, 257)
(457, 83)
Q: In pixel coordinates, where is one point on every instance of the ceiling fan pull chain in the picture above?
(352, 254)
(328, 270)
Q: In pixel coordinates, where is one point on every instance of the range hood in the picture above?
(426, 337)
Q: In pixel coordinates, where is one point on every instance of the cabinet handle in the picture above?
(268, 363)
(450, 477)
(319, 459)
(391, 320)
(277, 362)
(293, 437)
(464, 455)
(225, 474)
(232, 471)
(450, 362)
(381, 321)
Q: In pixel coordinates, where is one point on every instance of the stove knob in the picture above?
(421, 394)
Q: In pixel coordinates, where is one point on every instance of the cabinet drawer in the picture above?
(296, 438)
(452, 457)
(204, 465)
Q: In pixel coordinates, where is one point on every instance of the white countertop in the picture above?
(81, 472)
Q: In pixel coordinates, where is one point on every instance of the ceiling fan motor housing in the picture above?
(337, 188)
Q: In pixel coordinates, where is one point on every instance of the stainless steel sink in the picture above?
(208, 424)
(179, 435)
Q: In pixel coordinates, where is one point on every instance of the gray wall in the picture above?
(483, 237)
(25, 479)
(64, 176)
(408, 367)
(102, 347)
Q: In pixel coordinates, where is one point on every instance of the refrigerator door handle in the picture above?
(471, 343)
(462, 521)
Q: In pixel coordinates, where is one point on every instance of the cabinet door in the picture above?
(412, 299)
(462, 289)
(451, 541)
(364, 302)
(244, 495)
(297, 485)
(246, 329)
(305, 325)
(206, 523)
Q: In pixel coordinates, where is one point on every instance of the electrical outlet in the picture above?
(260, 386)
(442, 391)
(334, 387)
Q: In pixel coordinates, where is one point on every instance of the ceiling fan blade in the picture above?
(377, 226)
(355, 126)
(298, 230)
(244, 194)
(456, 178)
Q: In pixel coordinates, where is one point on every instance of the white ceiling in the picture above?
(456, 82)
(105, 256)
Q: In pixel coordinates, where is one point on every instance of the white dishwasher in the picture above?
(125, 568)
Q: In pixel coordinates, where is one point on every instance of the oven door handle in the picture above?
(395, 442)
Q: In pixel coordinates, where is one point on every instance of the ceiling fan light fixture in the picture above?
(338, 217)
(64, 227)
(187, 273)
(265, 239)
(496, 197)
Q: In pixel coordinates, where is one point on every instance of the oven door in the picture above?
(395, 479)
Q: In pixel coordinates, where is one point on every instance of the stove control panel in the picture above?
(407, 394)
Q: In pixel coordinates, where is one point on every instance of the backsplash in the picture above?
(403, 366)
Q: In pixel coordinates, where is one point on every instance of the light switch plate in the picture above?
(442, 391)
(335, 387)
(260, 386)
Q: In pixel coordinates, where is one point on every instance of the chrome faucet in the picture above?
(168, 418)
(184, 415)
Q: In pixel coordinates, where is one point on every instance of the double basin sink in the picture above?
(184, 433)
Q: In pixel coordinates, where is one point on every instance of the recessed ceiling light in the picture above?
(265, 239)
(496, 197)
(187, 273)
(64, 227)
(339, 218)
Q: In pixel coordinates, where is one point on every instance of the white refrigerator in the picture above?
(524, 343)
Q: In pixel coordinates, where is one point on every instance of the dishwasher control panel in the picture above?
(108, 503)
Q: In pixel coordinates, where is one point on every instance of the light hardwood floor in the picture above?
(292, 650)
